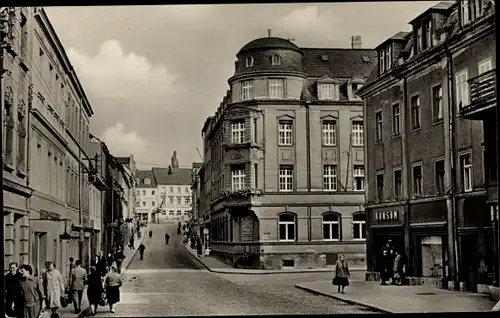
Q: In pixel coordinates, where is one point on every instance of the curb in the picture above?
(348, 301)
(221, 271)
(124, 269)
(199, 260)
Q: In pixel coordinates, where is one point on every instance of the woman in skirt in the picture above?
(94, 289)
(113, 283)
(341, 274)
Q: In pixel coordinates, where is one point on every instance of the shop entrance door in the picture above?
(396, 240)
(468, 260)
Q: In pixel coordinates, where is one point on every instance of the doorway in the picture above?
(468, 260)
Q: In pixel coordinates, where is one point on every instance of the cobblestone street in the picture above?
(169, 281)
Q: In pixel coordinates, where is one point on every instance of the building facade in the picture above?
(16, 98)
(284, 157)
(128, 164)
(146, 195)
(425, 162)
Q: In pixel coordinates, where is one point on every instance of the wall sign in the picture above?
(391, 215)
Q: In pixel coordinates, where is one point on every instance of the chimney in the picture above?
(356, 42)
(269, 32)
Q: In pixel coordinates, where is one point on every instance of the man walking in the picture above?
(167, 238)
(119, 257)
(12, 280)
(141, 250)
(78, 282)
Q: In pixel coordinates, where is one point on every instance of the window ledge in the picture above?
(329, 146)
(394, 136)
(22, 174)
(415, 130)
(331, 240)
(437, 122)
(285, 145)
(8, 167)
(358, 146)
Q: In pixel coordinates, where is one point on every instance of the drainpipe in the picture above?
(308, 159)
(451, 200)
(405, 185)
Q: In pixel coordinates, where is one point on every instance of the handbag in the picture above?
(64, 301)
(103, 301)
(44, 313)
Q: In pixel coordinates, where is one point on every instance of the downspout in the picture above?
(405, 191)
(452, 115)
(349, 151)
(80, 177)
(308, 164)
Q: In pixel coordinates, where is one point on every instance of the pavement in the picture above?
(216, 266)
(402, 299)
(170, 281)
(68, 312)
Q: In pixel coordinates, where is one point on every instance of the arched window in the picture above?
(249, 61)
(331, 226)
(143, 203)
(287, 227)
(147, 181)
(359, 226)
(275, 60)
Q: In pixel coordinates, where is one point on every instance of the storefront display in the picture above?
(432, 256)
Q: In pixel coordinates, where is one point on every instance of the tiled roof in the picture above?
(340, 63)
(179, 176)
(444, 5)
(268, 43)
(400, 36)
(143, 174)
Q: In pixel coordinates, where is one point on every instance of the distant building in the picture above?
(425, 161)
(164, 194)
(283, 175)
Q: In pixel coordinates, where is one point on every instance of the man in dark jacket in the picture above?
(11, 285)
(119, 257)
(141, 250)
(167, 238)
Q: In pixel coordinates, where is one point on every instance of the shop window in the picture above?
(331, 227)
(359, 226)
(286, 225)
(432, 256)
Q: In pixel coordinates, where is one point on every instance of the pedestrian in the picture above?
(53, 286)
(12, 280)
(113, 283)
(150, 233)
(390, 265)
(341, 274)
(101, 265)
(384, 263)
(199, 248)
(178, 231)
(167, 238)
(94, 289)
(119, 257)
(397, 269)
(141, 250)
(30, 298)
(131, 243)
(78, 281)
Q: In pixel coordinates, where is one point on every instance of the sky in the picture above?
(153, 74)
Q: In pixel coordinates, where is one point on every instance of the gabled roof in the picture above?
(340, 63)
(179, 176)
(143, 174)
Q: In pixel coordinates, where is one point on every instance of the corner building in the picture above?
(425, 162)
(283, 157)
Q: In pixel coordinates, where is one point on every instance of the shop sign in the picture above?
(384, 216)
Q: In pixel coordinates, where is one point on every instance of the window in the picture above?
(462, 89)
(359, 226)
(286, 178)
(381, 62)
(419, 41)
(466, 166)
(388, 57)
(417, 180)
(246, 90)
(470, 10)
(355, 87)
(285, 133)
(143, 192)
(237, 179)
(186, 189)
(326, 92)
(286, 225)
(171, 189)
(143, 203)
(249, 61)
(171, 200)
(398, 184)
(380, 186)
(329, 132)
(153, 192)
(153, 203)
(396, 120)
(171, 212)
(427, 35)
(187, 200)
(276, 88)
(437, 103)
(415, 112)
(331, 227)
(439, 175)
(179, 200)
(359, 177)
(378, 127)
(179, 212)
(179, 190)
(238, 131)
(357, 133)
(138, 192)
(330, 178)
(147, 181)
(275, 60)
(484, 66)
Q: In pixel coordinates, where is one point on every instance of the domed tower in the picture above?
(268, 68)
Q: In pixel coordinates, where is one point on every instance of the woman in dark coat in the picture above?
(341, 274)
(94, 289)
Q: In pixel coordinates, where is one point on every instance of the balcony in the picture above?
(483, 96)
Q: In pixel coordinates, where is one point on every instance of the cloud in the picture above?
(304, 19)
(112, 73)
(122, 143)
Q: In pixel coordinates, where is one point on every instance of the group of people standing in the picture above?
(28, 295)
(392, 268)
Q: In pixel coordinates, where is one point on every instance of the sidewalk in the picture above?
(68, 312)
(402, 299)
(216, 266)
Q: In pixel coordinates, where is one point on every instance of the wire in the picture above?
(88, 17)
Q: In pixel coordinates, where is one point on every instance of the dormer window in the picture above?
(418, 46)
(470, 10)
(381, 61)
(427, 35)
(355, 87)
(326, 91)
(388, 57)
(249, 61)
(147, 181)
(275, 60)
